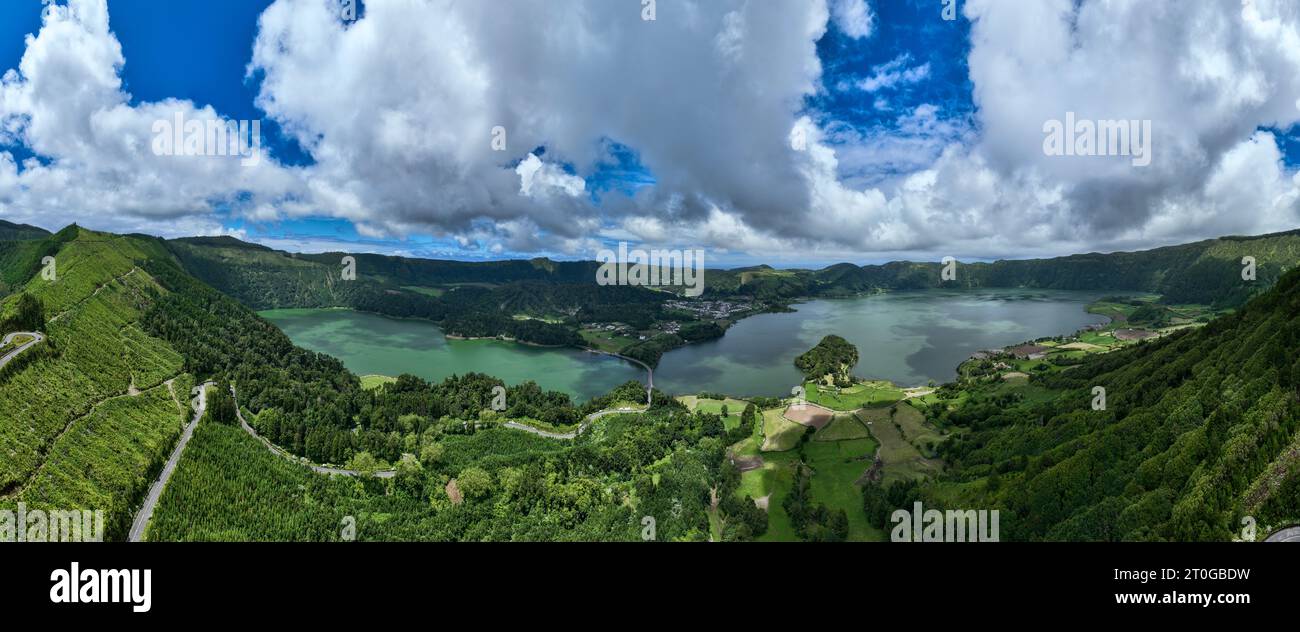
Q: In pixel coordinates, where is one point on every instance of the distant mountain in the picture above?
(1207, 272)
(10, 231)
(469, 299)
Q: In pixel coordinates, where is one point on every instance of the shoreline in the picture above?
(788, 306)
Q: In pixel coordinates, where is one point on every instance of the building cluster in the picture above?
(716, 310)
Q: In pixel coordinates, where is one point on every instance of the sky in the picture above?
(786, 132)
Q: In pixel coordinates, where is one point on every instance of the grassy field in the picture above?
(774, 480)
(780, 434)
(838, 455)
(854, 397)
(915, 431)
(902, 460)
(605, 340)
(842, 428)
(376, 381)
(714, 406)
(836, 467)
(1116, 310)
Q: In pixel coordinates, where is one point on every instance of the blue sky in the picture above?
(200, 50)
(895, 100)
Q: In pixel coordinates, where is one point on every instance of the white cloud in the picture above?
(538, 179)
(853, 17)
(66, 103)
(893, 73)
(397, 110)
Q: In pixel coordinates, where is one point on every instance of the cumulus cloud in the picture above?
(539, 179)
(853, 17)
(1207, 75)
(399, 109)
(65, 102)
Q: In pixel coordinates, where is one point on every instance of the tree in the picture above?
(474, 482)
(364, 463)
(410, 475)
(432, 453)
(221, 404)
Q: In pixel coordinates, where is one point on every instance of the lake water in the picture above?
(369, 344)
(909, 338)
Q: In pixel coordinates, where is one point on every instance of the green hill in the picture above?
(10, 231)
(87, 416)
(1199, 431)
(833, 358)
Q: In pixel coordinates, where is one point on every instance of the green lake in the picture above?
(369, 344)
(909, 338)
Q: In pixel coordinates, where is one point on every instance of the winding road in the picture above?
(37, 337)
(1289, 534)
(571, 435)
(324, 469)
(155, 492)
(319, 469)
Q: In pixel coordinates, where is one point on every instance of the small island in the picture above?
(831, 362)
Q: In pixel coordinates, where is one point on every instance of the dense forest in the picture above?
(88, 415)
(1207, 272)
(636, 477)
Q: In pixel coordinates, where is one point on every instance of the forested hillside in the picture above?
(1198, 431)
(10, 231)
(468, 299)
(88, 415)
(459, 481)
(1207, 272)
(832, 359)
